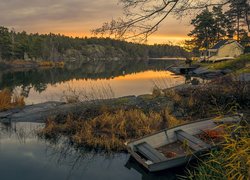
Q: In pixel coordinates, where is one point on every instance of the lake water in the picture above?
(93, 80)
(24, 156)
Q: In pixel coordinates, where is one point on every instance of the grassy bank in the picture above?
(222, 96)
(110, 130)
(238, 65)
(30, 64)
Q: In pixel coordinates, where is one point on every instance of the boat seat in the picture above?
(192, 141)
(149, 152)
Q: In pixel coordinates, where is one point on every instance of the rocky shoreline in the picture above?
(40, 112)
(147, 102)
(198, 71)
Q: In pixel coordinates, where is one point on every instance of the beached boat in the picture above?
(177, 146)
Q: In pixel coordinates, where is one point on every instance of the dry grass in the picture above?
(231, 162)
(9, 100)
(219, 97)
(235, 65)
(174, 95)
(171, 120)
(20, 62)
(110, 130)
(51, 64)
(156, 92)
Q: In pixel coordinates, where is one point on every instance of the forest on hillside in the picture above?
(57, 47)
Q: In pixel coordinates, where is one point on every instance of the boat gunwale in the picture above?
(139, 159)
(167, 129)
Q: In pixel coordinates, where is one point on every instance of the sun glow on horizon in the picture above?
(75, 31)
(154, 39)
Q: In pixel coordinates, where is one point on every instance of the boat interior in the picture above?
(177, 142)
(186, 144)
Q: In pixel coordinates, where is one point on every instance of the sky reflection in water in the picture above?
(132, 84)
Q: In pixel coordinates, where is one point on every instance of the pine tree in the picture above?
(204, 32)
(238, 18)
(220, 22)
(5, 43)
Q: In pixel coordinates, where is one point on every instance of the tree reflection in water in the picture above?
(59, 155)
(40, 78)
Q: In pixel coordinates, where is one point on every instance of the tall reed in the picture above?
(231, 162)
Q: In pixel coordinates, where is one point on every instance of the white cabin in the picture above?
(223, 50)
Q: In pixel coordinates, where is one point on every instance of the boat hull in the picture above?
(172, 163)
(170, 138)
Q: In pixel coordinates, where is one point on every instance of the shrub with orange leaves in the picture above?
(8, 100)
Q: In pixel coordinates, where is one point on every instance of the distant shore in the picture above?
(168, 58)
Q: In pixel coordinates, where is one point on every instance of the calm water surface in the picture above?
(24, 156)
(90, 80)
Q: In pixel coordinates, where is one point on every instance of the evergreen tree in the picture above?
(204, 32)
(210, 27)
(5, 43)
(54, 47)
(220, 23)
(21, 45)
(237, 16)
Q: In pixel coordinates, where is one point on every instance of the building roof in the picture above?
(219, 44)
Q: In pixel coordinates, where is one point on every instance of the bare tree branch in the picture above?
(143, 17)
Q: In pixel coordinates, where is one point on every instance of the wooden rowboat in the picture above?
(177, 146)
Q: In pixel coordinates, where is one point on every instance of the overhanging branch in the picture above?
(143, 17)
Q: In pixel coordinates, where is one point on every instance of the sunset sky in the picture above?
(77, 18)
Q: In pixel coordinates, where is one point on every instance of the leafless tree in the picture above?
(143, 17)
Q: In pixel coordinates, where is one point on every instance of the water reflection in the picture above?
(38, 78)
(33, 158)
(25, 156)
(124, 78)
(171, 174)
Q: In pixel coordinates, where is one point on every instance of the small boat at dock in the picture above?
(177, 146)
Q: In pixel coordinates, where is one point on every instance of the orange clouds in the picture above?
(77, 17)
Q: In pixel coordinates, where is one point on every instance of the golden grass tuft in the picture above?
(236, 152)
(9, 100)
(172, 121)
(156, 92)
(174, 95)
(110, 130)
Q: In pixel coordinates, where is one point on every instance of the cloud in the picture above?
(70, 17)
(41, 15)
